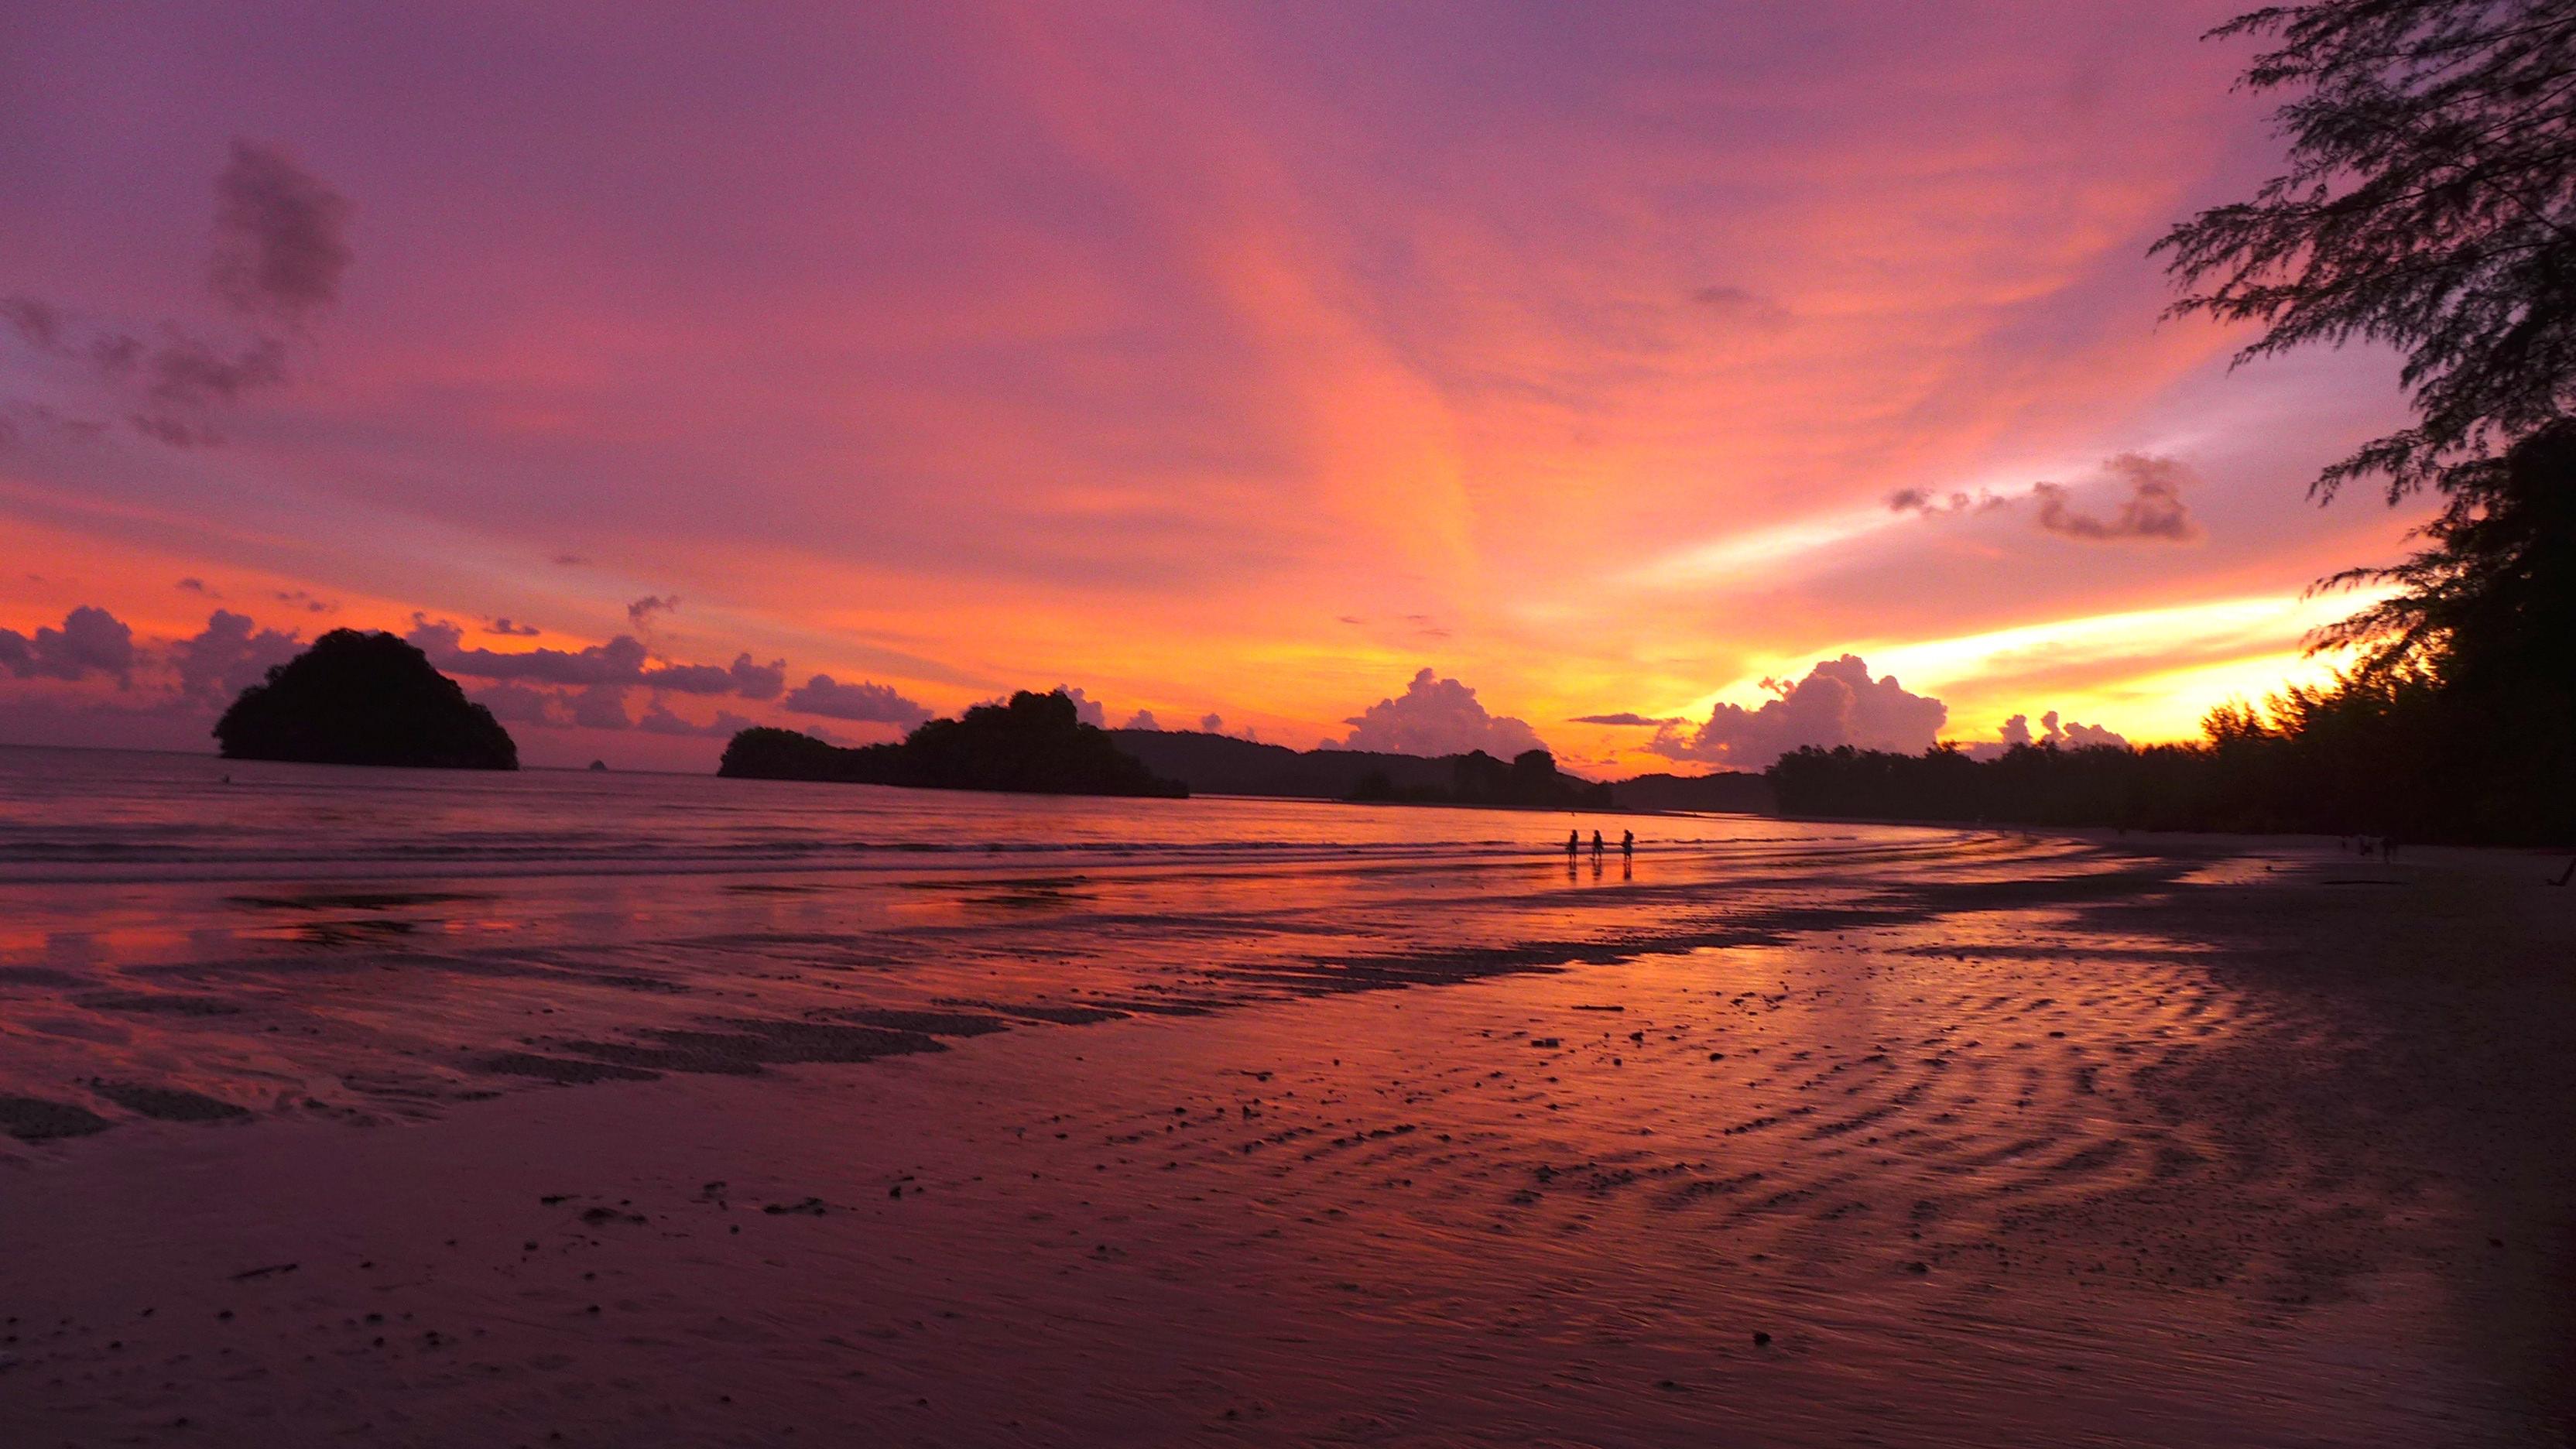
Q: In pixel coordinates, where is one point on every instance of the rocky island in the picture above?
(363, 698)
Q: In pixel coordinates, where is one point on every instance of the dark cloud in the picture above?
(1925, 502)
(660, 721)
(689, 678)
(1086, 709)
(570, 560)
(91, 641)
(601, 707)
(173, 432)
(1836, 704)
(876, 703)
(228, 656)
(187, 372)
(1142, 719)
(195, 586)
(281, 242)
(39, 322)
(622, 661)
(278, 258)
(758, 681)
(2153, 511)
(640, 613)
(1437, 716)
(507, 629)
(1622, 718)
(1212, 722)
(619, 661)
(1741, 307)
(519, 704)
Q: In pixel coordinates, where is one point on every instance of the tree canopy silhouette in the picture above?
(1035, 743)
(2427, 204)
(363, 699)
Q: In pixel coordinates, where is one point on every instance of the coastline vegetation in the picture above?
(1035, 744)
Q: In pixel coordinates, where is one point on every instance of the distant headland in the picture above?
(358, 698)
(1035, 744)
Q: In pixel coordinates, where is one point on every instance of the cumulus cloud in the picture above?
(602, 707)
(757, 681)
(660, 721)
(503, 626)
(2071, 736)
(1838, 703)
(1437, 716)
(1931, 505)
(1086, 709)
(518, 704)
(1142, 719)
(91, 641)
(1212, 722)
(619, 661)
(2153, 511)
(281, 243)
(873, 703)
(624, 660)
(228, 656)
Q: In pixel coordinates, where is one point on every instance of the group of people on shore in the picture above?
(1574, 843)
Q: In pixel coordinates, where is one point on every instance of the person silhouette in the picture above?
(1573, 843)
(1628, 842)
(1596, 845)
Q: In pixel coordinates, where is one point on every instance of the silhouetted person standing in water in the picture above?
(1573, 843)
(1596, 845)
(1627, 842)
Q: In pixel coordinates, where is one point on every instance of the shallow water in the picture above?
(1232, 1120)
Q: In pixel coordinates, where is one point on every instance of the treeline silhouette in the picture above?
(1033, 744)
(2412, 755)
(1476, 778)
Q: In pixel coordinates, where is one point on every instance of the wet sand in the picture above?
(1897, 1137)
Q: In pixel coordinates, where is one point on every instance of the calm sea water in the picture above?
(112, 815)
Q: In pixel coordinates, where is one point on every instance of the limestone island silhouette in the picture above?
(1035, 744)
(363, 698)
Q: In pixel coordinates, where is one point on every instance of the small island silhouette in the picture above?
(1035, 744)
(363, 698)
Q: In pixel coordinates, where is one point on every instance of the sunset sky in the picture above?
(853, 361)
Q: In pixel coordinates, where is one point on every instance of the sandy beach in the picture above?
(1772, 1135)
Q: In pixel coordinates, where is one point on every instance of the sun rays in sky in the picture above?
(1232, 361)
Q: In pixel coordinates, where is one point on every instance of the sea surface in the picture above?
(110, 815)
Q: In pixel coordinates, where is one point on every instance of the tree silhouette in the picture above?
(2427, 205)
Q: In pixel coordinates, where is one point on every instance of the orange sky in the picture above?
(1210, 359)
